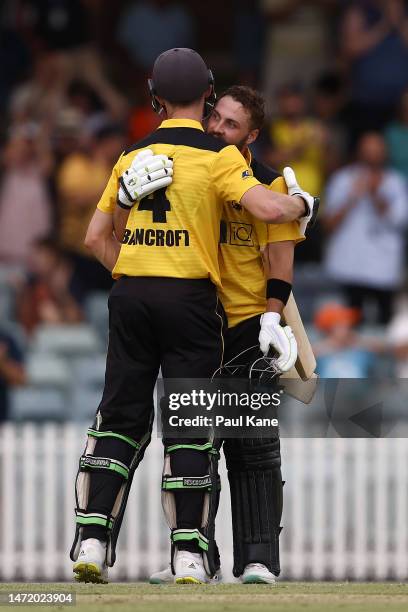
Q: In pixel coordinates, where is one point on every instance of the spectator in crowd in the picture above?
(342, 352)
(147, 28)
(143, 120)
(14, 61)
(80, 182)
(12, 372)
(397, 334)
(298, 140)
(48, 295)
(297, 44)
(25, 212)
(328, 106)
(396, 135)
(39, 98)
(61, 30)
(248, 40)
(374, 39)
(365, 216)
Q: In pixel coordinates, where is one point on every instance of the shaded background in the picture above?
(73, 95)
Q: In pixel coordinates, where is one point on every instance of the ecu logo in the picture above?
(236, 233)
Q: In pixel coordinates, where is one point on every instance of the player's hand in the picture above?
(312, 203)
(281, 339)
(147, 173)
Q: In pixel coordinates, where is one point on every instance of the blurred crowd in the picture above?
(335, 75)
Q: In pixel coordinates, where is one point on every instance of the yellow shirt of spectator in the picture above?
(175, 232)
(306, 136)
(242, 239)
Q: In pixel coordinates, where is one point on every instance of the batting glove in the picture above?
(281, 339)
(147, 173)
(312, 203)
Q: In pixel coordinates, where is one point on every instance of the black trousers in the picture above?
(242, 337)
(254, 474)
(175, 324)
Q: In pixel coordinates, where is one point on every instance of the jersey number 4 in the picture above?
(158, 204)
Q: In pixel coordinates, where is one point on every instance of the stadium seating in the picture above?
(38, 404)
(48, 370)
(68, 340)
(96, 311)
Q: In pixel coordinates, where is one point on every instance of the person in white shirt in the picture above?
(365, 215)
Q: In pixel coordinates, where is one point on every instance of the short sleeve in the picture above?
(232, 177)
(108, 199)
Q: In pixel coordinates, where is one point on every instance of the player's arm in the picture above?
(101, 240)
(278, 260)
(120, 219)
(234, 181)
(273, 207)
(278, 264)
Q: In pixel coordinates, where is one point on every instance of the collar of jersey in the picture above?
(248, 156)
(175, 123)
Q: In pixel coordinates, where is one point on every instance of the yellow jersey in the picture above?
(308, 166)
(174, 232)
(242, 239)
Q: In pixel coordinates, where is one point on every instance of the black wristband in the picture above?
(119, 203)
(278, 289)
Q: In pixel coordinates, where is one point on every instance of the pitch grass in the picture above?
(282, 597)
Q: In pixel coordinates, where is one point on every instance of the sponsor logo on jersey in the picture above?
(241, 234)
(157, 237)
(246, 174)
(236, 233)
(235, 205)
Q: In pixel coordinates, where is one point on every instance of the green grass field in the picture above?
(283, 597)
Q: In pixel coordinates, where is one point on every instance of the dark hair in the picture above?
(252, 101)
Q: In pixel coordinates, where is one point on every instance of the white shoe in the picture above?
(189, 568)
(166, 576)
(162, 577)
(91, 565)
(257, 573)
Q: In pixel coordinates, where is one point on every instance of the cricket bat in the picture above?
(306, 362)
(302, 390)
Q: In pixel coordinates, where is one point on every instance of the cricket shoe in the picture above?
(257, 573)
(91, 564)
(166, 576)
(189, 568)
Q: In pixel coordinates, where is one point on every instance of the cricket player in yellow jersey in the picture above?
(256, 265)
(164, 312)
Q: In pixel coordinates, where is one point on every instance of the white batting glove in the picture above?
(147, 173)
(280, 338)
(312, 203)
